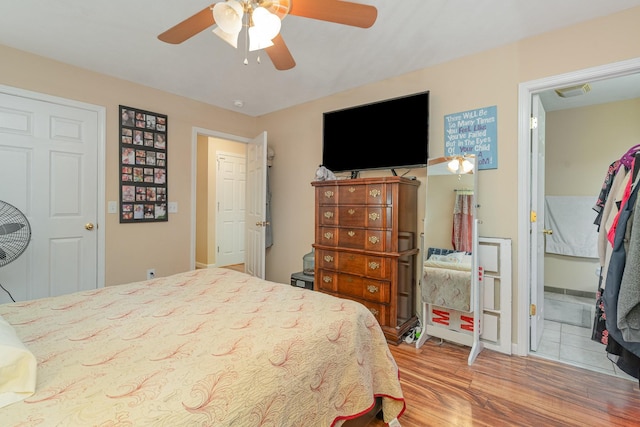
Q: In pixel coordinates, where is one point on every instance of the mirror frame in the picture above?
(440, 167)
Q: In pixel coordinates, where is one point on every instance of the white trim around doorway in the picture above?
(525, 92)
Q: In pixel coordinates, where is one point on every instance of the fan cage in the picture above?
(15, 233)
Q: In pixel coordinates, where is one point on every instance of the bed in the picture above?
(211, 347)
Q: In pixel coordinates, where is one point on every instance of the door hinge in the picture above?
(534, 216)
(533, 122)
(532, 310)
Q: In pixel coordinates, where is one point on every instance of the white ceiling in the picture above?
(119, 38)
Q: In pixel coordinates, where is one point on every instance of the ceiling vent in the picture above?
(568, 92)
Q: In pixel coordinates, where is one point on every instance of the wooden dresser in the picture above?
(365, 246)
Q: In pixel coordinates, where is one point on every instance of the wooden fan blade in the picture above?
(340, 12)
(280, 55)
(189, 27)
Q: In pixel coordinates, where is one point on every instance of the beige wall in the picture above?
(486, 79)
(581, 143)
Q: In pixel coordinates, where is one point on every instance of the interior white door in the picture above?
(49, 161)
(231, 208)
(256, 205)
(537, 224)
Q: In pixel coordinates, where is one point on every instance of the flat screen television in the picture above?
(389, 134)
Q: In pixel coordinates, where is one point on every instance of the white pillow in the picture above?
(17, 367)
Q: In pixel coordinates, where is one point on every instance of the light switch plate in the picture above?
(113, 207)
(173, 207)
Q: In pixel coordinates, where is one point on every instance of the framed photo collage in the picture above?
(143, 166)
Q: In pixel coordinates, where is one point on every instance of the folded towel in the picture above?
(571, 220)
(17, 367)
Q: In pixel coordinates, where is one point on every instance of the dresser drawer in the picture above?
(352, 194)
(327, 195)
(360, 238)
(351, 237)
(326, 281)
(364, 216)
(378, 240)
(328, 215)
(364, 265)
(362, 288)
(327, 259)
(369, 194)
(353, 286)
(327, 236)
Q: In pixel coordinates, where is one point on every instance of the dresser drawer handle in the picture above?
(328, 235)
(372, 289)
(351, 211)
(327, 279)
(374, 311)
(328, 214)
(374, 239)
(374, 216)
(328, 258)
(352, 190)
(375, 193)
(328, 194)
(374, 265)
(351, 233)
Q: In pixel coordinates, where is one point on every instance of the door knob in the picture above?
(88, 226)
(547, 232)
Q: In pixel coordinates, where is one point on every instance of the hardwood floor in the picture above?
(440, 389)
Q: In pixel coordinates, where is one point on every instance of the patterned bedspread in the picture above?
(204, 348)
(447, 285)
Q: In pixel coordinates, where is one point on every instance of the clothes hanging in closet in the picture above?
(621, 244)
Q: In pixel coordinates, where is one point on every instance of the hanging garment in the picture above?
(615, 271)
(609, 211)
(607, 187)
(629, 294)
(462, 236)
(625, 196)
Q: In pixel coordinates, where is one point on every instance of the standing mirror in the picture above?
(451, 302)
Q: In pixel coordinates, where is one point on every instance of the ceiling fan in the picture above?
(337, 11)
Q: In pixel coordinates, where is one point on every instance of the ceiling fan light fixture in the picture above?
(266, 22)
(232, 39)
(454, 165)
(257, 40)
(460, 165)
(467, 166)
(228, 16)
(265, 26)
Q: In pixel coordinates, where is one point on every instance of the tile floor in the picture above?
(567, 335)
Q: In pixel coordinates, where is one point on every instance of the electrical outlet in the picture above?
(151, 273)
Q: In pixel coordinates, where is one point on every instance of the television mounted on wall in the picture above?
(389, 134)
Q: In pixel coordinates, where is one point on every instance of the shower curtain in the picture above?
(462, 236)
